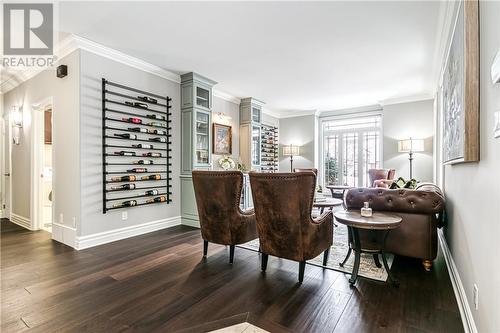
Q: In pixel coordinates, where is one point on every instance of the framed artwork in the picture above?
(460, 88)
(222, 139)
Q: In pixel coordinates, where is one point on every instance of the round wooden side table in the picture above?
(381, 222)
(328, 203)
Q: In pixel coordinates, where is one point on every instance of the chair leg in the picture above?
(205, 248)
(231, 253)
(326, 254)
(377, 261)
(263, 265)
(302, 268)
(346, 258)
(427, 265)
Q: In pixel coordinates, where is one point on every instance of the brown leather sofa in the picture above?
(420, 209)
(222, 221)
(283, 204)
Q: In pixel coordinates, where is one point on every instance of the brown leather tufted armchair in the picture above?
(383, 177)
(417, 235)
(221, 219)
(283, 204)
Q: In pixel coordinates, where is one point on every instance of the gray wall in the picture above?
(297, 131)
(65, 93)
(93, 68)
(402, 121)
(473, 193)
(232, 110)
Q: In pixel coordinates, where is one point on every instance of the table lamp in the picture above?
(411, 146)
(291, 150)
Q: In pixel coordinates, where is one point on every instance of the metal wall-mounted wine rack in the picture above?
(136, 147)
(269, 148)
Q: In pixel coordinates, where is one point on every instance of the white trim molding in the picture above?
(458, 288)
(84, 242)
(64, 234)
(225, 96)
(495, 69)
(191, 222)
(21, 221)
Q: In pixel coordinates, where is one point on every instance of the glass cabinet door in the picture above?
(203, 97)
(256, 145)
(202, 137)
(255, 115)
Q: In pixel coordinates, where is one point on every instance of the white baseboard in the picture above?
(64, 234)
(21, 220)
(190, 222)
(84, 242)
(458, 288)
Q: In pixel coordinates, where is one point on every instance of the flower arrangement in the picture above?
(226, 163)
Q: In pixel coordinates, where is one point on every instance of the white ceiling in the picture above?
(295, 56)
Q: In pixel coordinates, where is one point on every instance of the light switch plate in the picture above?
(495, 69)
(124, 215)
(496, 130)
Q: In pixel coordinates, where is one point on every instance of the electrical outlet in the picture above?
(124, 216)
(61, 219)
(476, 297)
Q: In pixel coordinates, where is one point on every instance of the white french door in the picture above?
(350, 147)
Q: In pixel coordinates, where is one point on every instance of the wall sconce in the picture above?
(17, 117)
(223, 117)
(411, 146)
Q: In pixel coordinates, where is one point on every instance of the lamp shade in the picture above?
(291, 150)
(410, 145)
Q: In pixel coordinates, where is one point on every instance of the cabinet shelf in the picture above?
(111, 125)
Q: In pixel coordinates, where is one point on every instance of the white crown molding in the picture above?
(84, 242)
(225, 96)
(293, 114)
(407, 99)
(458, 288)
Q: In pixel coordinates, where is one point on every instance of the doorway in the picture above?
(42, 195)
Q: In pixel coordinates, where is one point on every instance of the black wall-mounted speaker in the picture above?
(62, 71)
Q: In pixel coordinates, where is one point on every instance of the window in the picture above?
(350, 147)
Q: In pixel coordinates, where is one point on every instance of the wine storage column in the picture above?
(269, 162)
(136, 147)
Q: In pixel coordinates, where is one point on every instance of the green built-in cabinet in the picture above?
(196, 121)
(250, 132)
(196, 138)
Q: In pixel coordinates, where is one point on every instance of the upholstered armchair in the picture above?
(283, 204)
(420, 210)
(221, 219)
(381, 177)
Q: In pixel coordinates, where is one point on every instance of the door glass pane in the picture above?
(202, 97)
(350, 159)
(371, 154)
(202, 128)
(331, 158)
(256, 115)
(255, 145)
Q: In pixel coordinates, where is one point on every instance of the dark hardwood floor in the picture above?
(159, 282)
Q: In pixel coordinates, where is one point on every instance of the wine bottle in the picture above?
(151, 154)
(141, 145)
(157, 199)
(151, 177)
(155, 123)
(130, 178)
(125, 153)
(133, 120)
(155, 116)
(147, 99)
(129, 203)
(126, 136)
(151, 192)
(155, 131)
(137, 104)
(138, 129)
(158, 139)
(144, 162)
(138, 170)
(123, 187)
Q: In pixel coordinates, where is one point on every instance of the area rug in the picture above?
(338, 251)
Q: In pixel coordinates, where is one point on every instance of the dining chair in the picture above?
(283, 204)
(222, 221)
